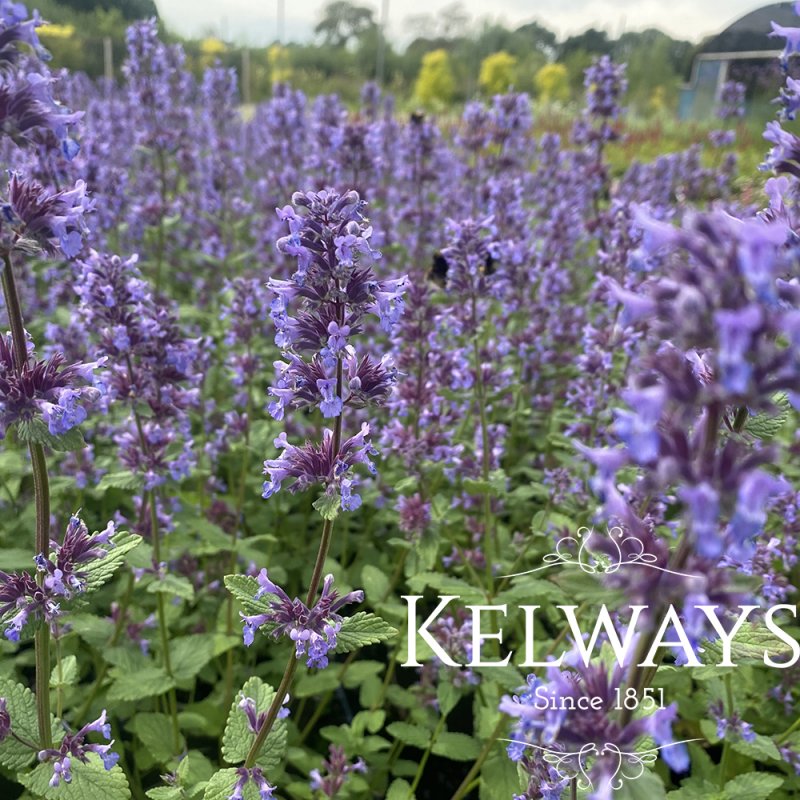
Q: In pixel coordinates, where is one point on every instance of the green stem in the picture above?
(162, 623)
(475, 769)
(789, 731)
(426, 755)
(41, 491)
(291, 665)
(726, 747)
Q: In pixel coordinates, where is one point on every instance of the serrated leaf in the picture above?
(149, 682)
(761, 748)
(89, 782)
(360, 630)
(767, 425)
(127, 481)
(221, 786)
(499, 778)
(400, 790)
(155, 733)
(749, 646)
(21, 706)
(172, 585)
(238, 738)
(244, 589)
(68, 673)
(456, 746)
(696, 789)
(328, 506)
(100, 570)
(407, 733)
(189, 654)
(35, 431)
(648, 786)
(165, 793)
(752, 786)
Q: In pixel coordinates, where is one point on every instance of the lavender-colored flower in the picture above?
(311, 464)
(596, 733)
(335, 768)
(312, 630)
(47, 389)
(74, 746)
(33, 218)
(63, 574)
(731, 727)
(21, 597)
(263, 787)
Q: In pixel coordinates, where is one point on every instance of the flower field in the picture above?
(354, 453)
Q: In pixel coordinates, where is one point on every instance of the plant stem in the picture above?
(41, 491)
(162, 622)
(426, 755)
(726, 747)
(479, 761)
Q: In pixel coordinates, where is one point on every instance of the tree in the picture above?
(435, 83)
(497, 73)
(552, 83)
(538, 38)
(342, 21)
(130, 9)
(593, 42)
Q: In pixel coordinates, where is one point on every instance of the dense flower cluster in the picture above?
(330, 294)
(48, 390)
(589, 742)
(74, 747)
(336, 769)
(63, 571)
(313, 630)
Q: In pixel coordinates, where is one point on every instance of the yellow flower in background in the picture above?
(56, 31)
(212, 46)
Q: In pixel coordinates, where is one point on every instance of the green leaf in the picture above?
(456, 746)
(400, 790)
(752, 786)
(410, 734)
(360, 630)
(165, 793)
(69, 673)
(646, 787)
(101, 570)
(129, 686)
(696, 789)
(767, 425)
(173, 585)
(244, 589)
(762, 748)
(189, 654)
(447, 696)
(89, 782)
(751, 643)
(375, 583)
(155, 733)
(128, 481)
(238, 738)
(328, 506)
(221, 785)
(35, 431)
(21, 706)
(499, 778)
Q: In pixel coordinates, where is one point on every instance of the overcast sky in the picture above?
(254, 21)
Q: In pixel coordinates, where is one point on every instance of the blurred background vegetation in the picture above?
(449, 58)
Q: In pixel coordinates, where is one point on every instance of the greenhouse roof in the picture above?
(751, 32)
